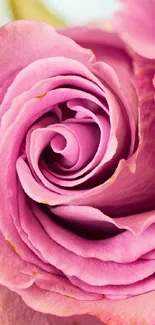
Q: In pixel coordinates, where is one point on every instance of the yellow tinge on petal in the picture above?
(33, 10)
(12, 246)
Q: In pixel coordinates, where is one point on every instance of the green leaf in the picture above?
(34, 10)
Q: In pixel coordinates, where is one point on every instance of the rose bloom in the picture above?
(77, 172)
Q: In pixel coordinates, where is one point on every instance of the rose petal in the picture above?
(135, 24)
(36, 72)
(118, 292)
(15, 312)
(68, 262)
(138, 310)
(113, 64)
(18, 274)
(33, 40)
(124, 248)
(74, 153)
(107, 47)
(123, 87)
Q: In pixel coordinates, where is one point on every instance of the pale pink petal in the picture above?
(108, 48)
(137, 310)
(135, 23)
(15, 312)
(34, 40)
(33, 74)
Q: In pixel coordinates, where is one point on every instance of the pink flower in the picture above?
(77, 178)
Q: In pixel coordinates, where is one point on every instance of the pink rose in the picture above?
(77, 180)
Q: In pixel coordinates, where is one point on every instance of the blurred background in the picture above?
(57, 12)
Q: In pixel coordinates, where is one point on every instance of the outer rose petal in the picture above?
(139, 310)
(106, 46)
(33, 40)
(44, 43)
(13, 311)
(136, 25)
